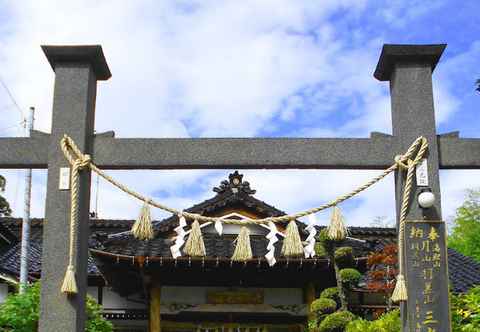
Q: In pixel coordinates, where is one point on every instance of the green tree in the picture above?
(4, 206)
(465, 236)
(20, 313)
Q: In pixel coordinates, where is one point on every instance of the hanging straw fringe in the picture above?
(69, 285)
(143, 228)
(337, 230)
(292, 244)
(400, 291)
(195, 246)
(243, 250)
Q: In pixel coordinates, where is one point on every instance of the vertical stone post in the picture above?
(155, 301)
(409, 69)
(77, 69)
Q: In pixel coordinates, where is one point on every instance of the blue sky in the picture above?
(243, 69)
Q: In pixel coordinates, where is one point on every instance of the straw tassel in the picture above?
(243, 250)
(292, 244)
(195, 246)
(143, 228)
(69, 285)
(337, 230)
(400, 291)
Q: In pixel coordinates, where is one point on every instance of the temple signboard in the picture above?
(426, 249)
(235, 297)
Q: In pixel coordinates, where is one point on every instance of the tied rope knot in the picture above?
(400, 161)
(82, 161)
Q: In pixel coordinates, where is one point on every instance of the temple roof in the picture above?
(464, 271)
(233, 193)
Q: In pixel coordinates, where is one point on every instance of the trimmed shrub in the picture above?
(330, 293)
(320, 250)
(344, 257)
(350, 277)
(328, 245)
(323, 306)
(336, 322)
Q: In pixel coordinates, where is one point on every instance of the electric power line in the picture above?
(2, 82)
(20, 124)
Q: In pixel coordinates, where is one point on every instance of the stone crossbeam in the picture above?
(240, 153)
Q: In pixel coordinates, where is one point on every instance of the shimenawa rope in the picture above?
(79, 161)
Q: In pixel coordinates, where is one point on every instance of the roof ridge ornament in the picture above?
(235, 184)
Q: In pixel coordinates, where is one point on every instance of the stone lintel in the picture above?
(92, 54)
(393, 54)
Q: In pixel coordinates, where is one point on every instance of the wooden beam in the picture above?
(154, 318)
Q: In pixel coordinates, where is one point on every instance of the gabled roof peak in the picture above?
(234, 184)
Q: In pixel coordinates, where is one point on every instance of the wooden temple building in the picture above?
(143, 288)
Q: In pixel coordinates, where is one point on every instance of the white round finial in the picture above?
(426, 199)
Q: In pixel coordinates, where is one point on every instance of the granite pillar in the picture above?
(409, 69)
(77, 69)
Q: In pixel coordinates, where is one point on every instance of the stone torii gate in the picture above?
(408, 68)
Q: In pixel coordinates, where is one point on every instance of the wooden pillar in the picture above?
(309, 297)
(154, 320)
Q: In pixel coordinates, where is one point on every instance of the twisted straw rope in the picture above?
(72, 154)
(77, 165)
(410, 166)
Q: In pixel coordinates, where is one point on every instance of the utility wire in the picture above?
(20, 124)
(12, 98)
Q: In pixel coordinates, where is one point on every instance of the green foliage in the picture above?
(344, 257)
(336, 322)
(465, 310)
(324, 240)
(350, 277)
(95, 321)
(4, 206)
(320, 250)
(330, 293)
(20, 313)
(323, 306)
(465, 235)
(388, 322)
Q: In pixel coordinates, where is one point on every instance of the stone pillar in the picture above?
(409, 69)
(154, 317)
(309, 297)
(77, 69)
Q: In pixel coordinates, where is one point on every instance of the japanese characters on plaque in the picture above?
(425, 250)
